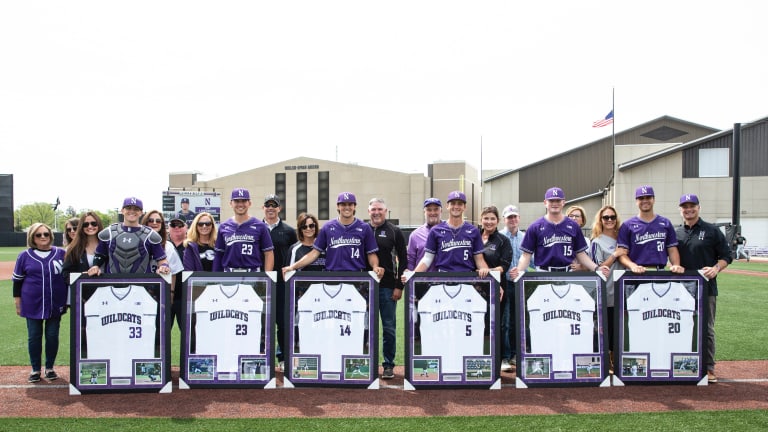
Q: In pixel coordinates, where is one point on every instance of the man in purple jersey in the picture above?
(348, 242)
(648, 239)
(454, 245)
(243, 243)
(129, 247)
(418, 238)
(554, 240)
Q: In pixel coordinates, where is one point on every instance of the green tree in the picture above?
(28, 214)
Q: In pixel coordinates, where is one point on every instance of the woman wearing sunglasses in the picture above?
(70, 228)
(198, 247)
(605, 232)
(82, 248)
(307, 229)
(155, 220)
(40, 294)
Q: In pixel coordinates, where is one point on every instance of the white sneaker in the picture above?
(505, 366)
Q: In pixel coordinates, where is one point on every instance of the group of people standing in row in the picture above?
(245, 243)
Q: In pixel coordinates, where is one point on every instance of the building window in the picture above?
(714, 162)
(280, 192)
(323, 195)
(301, 193)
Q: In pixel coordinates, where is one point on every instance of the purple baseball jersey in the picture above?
(454, 248)
(553, 245)
(43, 289)
(647, 242)
(241, 247)
(346, 247)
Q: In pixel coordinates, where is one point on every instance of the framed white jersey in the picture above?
(662, 321)
(333, 332)
(228, 330)
(122, 337)
(452, 330)
(560, 329)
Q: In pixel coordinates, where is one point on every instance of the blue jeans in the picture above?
(35, 328)
(388, 314)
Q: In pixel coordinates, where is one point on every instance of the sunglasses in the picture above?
(93, 224)
(308, 226)
(177, 225)
(271, 205)
(204, 224)
(43, 234)
(72, 229)
(153, 220)
(609, 217)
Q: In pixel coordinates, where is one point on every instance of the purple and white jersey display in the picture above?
(43, 290)
(454, 248)
(647, 242)
(241, 247)
(553, 244)
(346, 247)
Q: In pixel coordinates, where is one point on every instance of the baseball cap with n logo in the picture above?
(133, 201)
(346, 197)
(240, 194)
(644, 191)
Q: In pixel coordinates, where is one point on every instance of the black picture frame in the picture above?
(335, 316)
(119, 338)
(452, 331)
(659, 328)
(228, 327)
(561, 333)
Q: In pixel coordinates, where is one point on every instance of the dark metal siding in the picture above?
(754, 152)
(578, 173)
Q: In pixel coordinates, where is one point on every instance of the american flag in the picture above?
(604, 121)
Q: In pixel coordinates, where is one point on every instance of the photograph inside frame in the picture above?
(227, 336)
(561, 332)
(333, 330)
(660, 320)
(120, 338)
(451, 322)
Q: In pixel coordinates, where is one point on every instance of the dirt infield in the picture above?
(743, 385)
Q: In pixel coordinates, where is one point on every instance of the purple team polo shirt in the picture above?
(346, 247)
(647, 242)
(454, 248)
(241, 247)
(553, 244)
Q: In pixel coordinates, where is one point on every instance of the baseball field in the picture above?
(739, 401)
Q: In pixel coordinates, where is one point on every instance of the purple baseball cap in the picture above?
(240, 194)
(643, 191)
(133, 201)
(689, 198)
(457, 195)
(435, 201)
(554, 193)
(346, 197)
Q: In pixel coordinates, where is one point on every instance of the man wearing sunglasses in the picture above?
(129, 247)
(283, 237)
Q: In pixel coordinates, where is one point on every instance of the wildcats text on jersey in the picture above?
(452, 314)
(333, 314)
(661, 313)
(229, 313)
(121, 317)
(561, 313)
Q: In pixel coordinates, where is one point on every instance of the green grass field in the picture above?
(740, 331)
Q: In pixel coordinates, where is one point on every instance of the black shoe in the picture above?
(389, 373)
(34, 377)
(51, 375)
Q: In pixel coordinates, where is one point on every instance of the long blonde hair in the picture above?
(597, 225)
(193, 236)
